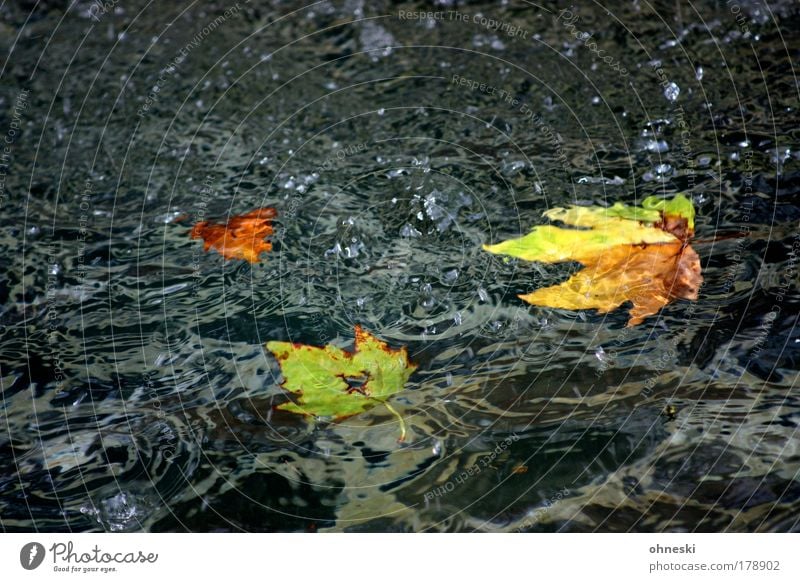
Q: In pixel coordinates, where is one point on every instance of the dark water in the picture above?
(136, 392)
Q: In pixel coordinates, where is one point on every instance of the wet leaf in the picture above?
(331, 382)
(630, 254)
(648, 276)
(242, 237)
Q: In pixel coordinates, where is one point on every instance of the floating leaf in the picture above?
(242, 237)
(636, 254)
(330, 382)
(648, 276)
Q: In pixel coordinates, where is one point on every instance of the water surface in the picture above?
(136, 392)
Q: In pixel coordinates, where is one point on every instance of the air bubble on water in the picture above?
(672, 91)
(290, 183)
(744, 144)
(698, 73)
(457, 320)
(360, 301)
(596, 100)
(483, 295)
(600, 354)
(381, 111)
(436, 449)
(54, 269)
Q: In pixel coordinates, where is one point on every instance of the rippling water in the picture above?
(136, 392)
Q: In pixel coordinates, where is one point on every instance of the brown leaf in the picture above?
(649, 276)
(242, 237)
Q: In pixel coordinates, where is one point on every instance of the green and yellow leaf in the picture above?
(330, 382)
(636, 254)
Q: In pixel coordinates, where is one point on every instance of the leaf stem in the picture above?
(400, 420)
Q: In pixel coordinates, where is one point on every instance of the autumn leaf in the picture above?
(329, 382)
(242, 237)
(636, 254)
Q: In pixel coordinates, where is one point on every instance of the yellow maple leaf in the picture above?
(636, 254)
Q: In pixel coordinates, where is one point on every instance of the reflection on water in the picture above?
(136, 393)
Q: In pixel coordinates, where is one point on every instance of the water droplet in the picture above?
(450, 276)
(662, 169)
(656, 146)
(427, 300)
(672, 91)
(120, 512)
(409, 231)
